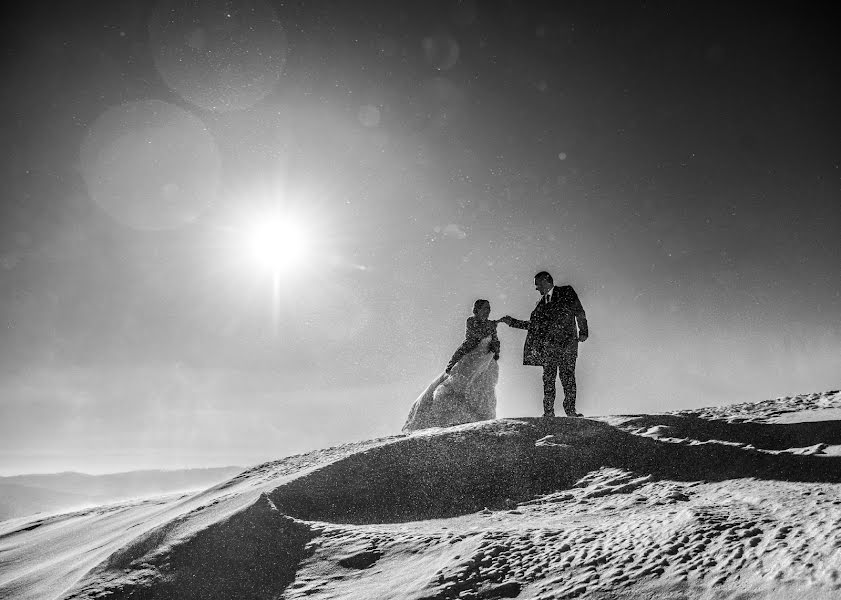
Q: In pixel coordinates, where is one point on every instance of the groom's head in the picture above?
(543, 282)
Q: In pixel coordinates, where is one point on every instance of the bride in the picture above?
(466, 390)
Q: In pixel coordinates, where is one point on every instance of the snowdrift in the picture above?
(731, 502)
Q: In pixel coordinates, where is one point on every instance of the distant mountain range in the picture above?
(22, 495)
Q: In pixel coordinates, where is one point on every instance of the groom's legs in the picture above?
(566, 370)
(550, 373)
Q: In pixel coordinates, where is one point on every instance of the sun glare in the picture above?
(279, 244)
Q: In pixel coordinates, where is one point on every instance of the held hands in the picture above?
(582, 337)
(506, 319)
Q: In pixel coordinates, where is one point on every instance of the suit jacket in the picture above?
(551, 327)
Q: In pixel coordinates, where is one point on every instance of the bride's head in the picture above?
(482, 309)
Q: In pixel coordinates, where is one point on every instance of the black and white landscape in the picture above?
(740, 501)
(423, 300)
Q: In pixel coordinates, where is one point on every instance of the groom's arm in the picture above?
(580, 317)
(515, 323)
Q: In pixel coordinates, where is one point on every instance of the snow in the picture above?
(735, 502)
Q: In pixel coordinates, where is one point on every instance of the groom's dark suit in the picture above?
(552, 342)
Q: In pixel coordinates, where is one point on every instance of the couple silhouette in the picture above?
(466, 390)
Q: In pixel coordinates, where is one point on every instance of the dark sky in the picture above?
(679, 165)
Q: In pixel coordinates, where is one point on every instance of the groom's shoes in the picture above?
(574, 414)
(548, 415)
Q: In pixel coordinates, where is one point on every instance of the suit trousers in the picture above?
(562, 366)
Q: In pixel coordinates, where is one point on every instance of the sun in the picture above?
(281, 244)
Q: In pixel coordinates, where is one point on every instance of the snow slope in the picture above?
(22, 495)
(736, 502)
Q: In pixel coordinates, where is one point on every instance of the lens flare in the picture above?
(150, 165)
(217, 54)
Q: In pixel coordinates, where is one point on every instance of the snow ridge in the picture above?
(713, 503)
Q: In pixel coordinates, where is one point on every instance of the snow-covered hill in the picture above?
(740, 501)
(22, 495)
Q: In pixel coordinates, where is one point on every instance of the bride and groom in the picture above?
(466, 390)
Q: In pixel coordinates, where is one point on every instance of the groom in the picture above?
(552, 341)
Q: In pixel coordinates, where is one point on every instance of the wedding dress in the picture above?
(466, 394)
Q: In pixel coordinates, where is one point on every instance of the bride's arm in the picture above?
(472, 337)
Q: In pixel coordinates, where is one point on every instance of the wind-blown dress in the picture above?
(467, 393)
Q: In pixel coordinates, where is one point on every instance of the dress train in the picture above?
(466, 395)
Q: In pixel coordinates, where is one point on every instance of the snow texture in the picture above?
(737, 502)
